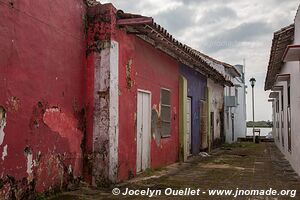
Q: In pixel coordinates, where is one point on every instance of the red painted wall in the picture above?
(150, 69)
(42, 84)
(101, 25)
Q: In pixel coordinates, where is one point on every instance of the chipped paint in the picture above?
(155, 127)
(3, 117)
(26, 93)
(101, 118)
(13, 104)
(105, 136)
(114, 111)
(4, 153)
(29, 163)
(150, 70)
(128, 74)
(66, 126)
(70, 169)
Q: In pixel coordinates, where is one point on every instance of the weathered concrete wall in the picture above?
(216, 101)
(120, 64)
(42, 57)
(141, 66)
(103, 96)
(196, 90)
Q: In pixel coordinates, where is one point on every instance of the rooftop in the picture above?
(281, 40)
(147, 29)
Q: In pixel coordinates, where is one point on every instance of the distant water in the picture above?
(263, 131)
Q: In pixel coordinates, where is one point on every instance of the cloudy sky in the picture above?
(228, 30)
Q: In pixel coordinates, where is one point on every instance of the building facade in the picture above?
(92, 92)
(282, 80)
(42, 104)
(196, 93)
(227, 104)
(215, 114)
(235, 105)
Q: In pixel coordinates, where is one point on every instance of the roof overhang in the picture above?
(146, 29)
(229, 83)
(277, 88)
(292, 53)
(273, 95)
(281, 40)
(283, 77)
(233, 72)
(135, 21)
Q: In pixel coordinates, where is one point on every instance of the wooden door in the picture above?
(143, 130)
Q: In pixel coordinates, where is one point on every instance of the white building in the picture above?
(215, 113)
(235, 105)
(227, 105)
(283, 79)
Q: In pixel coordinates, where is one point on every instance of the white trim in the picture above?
(165, 89)
(114, 111)
(145, 91)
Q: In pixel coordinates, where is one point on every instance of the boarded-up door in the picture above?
(204, 124)
(143, 130)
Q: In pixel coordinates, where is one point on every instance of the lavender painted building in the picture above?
(196, 90)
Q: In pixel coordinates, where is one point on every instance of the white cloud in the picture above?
(228, 30)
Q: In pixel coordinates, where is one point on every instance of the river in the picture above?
(263, 131)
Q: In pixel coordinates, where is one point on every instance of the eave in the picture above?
(291, 53)
(161, 39)
(281, 40)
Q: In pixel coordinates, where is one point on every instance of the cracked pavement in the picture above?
(242, 165)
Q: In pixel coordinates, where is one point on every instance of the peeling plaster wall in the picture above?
(4, 153)
(150, 70)
(101, 117)
(102, 55)
(114, 111)
(105, 131)
(42, 59)
(216, 101)
(3, 116)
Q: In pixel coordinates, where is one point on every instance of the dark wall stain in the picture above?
(128, 74)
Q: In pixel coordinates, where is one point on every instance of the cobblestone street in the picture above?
(244, 166)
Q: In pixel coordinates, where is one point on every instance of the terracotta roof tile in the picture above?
(281, 40)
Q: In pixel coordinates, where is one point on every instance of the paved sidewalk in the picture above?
(244, 166)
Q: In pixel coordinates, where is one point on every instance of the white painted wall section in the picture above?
(114, 111)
